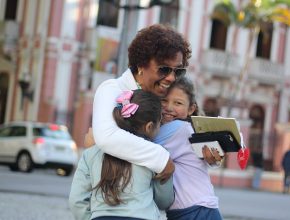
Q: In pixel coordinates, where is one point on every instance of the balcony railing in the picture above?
(220, 63)
(266, 71)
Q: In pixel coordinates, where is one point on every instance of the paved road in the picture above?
(18, 206)
(40, 195)
(234, 204)
(43, 195)
(41, 182)
(253, 205)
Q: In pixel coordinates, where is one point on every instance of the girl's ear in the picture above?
(149, 129)
(191, 109)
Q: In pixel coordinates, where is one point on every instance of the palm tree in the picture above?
(255, 16)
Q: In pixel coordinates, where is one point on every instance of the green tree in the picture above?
(255, 15)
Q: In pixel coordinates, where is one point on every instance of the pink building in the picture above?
(55, 53)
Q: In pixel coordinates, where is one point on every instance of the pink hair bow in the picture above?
(128, 108)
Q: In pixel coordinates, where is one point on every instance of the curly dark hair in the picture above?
(160, 42)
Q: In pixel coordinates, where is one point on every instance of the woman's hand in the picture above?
(89, 138)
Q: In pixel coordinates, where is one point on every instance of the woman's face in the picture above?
(151, 80)
(176, 105)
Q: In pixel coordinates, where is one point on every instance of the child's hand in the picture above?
(211, 156)
(89, 138)
(216, 154)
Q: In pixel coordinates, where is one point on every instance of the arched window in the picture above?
(11, 10)
(218, 37)
(265, 41)
(108, 13)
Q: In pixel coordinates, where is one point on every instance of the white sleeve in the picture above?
(120, 143)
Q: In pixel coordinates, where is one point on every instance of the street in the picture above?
(253, 205)
(15, 206)
(43, 195)
(37, 195)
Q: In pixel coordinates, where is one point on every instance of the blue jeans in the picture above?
(194, 213)
(115, 218)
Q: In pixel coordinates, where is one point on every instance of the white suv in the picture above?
(25, 145)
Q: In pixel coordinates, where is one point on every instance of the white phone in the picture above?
(197, 148)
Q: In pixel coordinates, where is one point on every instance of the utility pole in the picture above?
(130, 24)
(129, 30)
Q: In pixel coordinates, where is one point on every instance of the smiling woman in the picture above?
(158, 55)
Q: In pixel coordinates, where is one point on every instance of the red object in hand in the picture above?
(243, 157)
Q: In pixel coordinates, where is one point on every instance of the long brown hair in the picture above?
(116, 173)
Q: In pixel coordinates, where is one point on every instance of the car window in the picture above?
(51, 133)
(18, 131)
(4, 132)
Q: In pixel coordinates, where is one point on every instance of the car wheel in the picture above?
(68, 171)
(24, 162)
(13, 167)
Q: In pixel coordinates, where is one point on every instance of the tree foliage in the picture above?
(253, 14)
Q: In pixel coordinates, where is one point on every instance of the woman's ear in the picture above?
(140, 71)
(191, 109)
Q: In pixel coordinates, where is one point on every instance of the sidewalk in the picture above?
(242, 179)
(238, 204)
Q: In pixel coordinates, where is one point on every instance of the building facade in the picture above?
(55, 53)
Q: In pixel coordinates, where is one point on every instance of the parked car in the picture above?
(27, 145)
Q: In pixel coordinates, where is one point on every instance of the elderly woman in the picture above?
(157, 56)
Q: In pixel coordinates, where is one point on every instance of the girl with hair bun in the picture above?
(106, 187)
